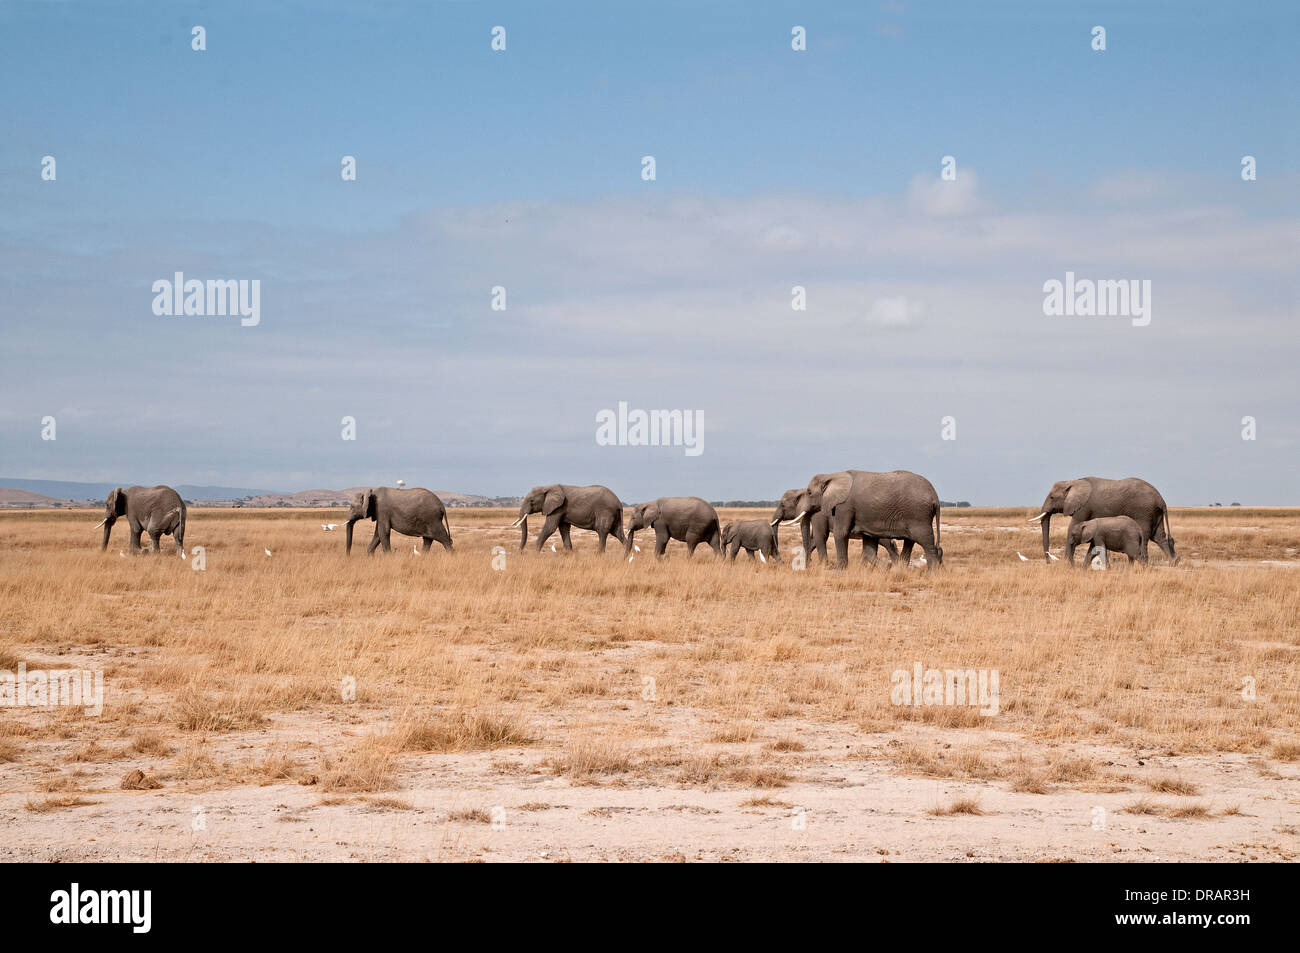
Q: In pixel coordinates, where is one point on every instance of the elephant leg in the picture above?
(135, 538)
(691, 543)
(386, 538)
(441, 535)
(564, 536)
(661, 542)
(733, 550)
(374, 543)
(157, 540)
(1166, 546)
(428, 541)
(550, 526)
(617, 533)
(841, 548)
(600, 546)
(905, 557)
(868, 549)
(933, 557)
(750, 554)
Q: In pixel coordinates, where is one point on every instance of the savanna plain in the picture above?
(304, 705)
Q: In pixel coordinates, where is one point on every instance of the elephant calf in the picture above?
(753, 536)
(414, 512)
(1119, 534)
(688, 518)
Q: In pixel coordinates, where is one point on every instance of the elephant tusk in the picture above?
(1036, 518)
(517, 522)
(775, 521)
(795, 520)
(101, 523)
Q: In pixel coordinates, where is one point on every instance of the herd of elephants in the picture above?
(878, 508)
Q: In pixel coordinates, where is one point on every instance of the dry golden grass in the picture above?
(963, 805)
(636, 673)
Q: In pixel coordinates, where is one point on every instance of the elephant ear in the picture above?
(554, 500)
(651, 513)
(836, 491)
(726, 530)
(1080, 490)
(117, 502)
(370, 505)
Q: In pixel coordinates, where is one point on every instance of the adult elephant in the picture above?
(587, 507)
(814, 528)
(157, 510)
(688, 518)
(412, 512)
(1092, 497)
(895, 505)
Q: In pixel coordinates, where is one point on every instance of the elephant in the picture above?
(412, 512)
(1117, 534)
(814, 528)
(1090, 497)
(896, 505)
(158, 511)
(754, 536)
(688, 518)
(587, 507)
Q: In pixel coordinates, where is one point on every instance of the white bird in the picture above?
(636, 547)
(401, 483)
(1056, 559)
(416, 549)
(267, 551)
(761, 559)
(552, 547)
(121, 553)
(1023, 559)
(329, 527)
(630, 558)
(182, 554)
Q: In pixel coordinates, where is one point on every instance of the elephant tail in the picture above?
(938, 513)
(446, 524)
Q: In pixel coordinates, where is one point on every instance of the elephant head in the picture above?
(114, 507)
(540, 499)
(795, 507)
(362, 508)
(728, 532)
(643, 515)
(1066, 497)
(828, 490)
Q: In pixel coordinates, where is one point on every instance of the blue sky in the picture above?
(775, 168)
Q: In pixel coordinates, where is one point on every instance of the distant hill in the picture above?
(64, 490)
(29, 500)
(336, 498)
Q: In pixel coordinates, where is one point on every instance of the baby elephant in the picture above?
(752, 536)
(1118, 534)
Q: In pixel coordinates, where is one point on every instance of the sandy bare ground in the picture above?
(503, 716)
(847, 803)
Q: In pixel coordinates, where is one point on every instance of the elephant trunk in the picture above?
(631, 536)
(347, 550)
(523, 532)
(108, 528)
(1047, 532)
(805, 534)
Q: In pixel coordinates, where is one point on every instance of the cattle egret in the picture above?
(1055, 559)
(636, 547)
(182, 554)
(630, 558)
(329, 527)
(1023, 559)
(416, 549)
(267, 551)
(760, 558)
(401, 483)
(120, 553)
(552, 547)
